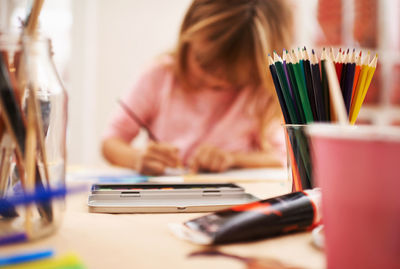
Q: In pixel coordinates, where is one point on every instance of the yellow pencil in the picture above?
(370, 74)
(359, 89)
(371, 71)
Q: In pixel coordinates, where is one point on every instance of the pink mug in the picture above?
(358, 170)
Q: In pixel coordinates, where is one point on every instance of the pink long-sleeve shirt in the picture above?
(189, 119)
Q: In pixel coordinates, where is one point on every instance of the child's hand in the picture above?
(211, 159)
(157, 157)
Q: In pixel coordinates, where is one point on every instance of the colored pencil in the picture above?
(331, 57)
(309, 83)
(290, 86)
(285, 89)
(349, 79)
(325, 87)
(39, 195)
(136, 119)
(344, 73)
(296, 93)
(278, 90)
(371, 71)
(13, 238)
(318, 95)
(370, 74)
(360, 86)
(356, 76)
(299, 74)
(339, 64)
(25, 257)
(334, 90)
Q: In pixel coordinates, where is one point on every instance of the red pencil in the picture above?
(339, 64)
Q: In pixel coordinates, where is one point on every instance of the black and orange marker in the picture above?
(296, 211)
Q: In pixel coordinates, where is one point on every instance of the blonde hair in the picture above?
(238, 35)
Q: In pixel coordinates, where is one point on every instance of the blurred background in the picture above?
(101, 46)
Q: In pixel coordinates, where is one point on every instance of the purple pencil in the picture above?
(13, 238)
(348, 84)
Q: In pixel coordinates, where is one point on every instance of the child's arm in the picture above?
(119, 152)
(212, 159)
(151, 161)
(256, 159)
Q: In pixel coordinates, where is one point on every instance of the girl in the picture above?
(210, 102)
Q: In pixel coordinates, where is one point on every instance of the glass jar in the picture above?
(32, 71)
(299, 164)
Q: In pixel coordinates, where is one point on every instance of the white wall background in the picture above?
(111, 42)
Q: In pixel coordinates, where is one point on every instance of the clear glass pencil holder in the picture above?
(32, 139)
(299, 163)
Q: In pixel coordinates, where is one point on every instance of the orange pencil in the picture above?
(356, 75)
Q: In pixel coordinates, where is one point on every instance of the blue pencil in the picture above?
(38, 196)
(348, 84)
(344, 73)
(25, 257)
(325, 88)
(317, 86)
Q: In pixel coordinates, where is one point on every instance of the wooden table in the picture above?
(144, 240)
